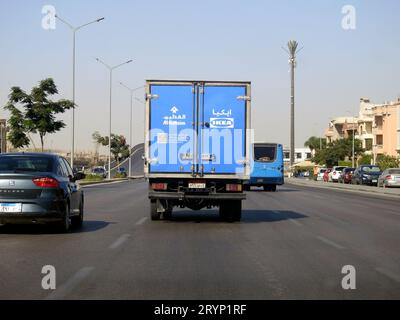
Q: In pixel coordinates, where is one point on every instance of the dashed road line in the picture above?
(330, 242)
(117, 243)
(68, 286)
(141, 221)
(389, 274)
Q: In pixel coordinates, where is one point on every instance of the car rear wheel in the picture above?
(77, 221)
(65, 224)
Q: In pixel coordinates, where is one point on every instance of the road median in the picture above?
(392, 192)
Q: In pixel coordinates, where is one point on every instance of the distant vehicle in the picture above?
(389, 178)
(345, 176)
(266, 166)
(335, 173)
(39, 188)
(79, 168)
(99, 171)
(320, 174)
(122, 172)
(325, 177)
(366, 174)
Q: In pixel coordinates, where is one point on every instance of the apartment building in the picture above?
(300, 155)
(377, 126)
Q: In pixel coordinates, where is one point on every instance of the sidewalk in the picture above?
(393, 192)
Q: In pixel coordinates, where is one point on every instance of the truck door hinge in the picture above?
(245, 98)
(150, 96)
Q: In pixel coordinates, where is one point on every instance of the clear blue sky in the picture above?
(216, 40)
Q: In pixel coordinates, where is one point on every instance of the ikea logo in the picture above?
(222, 123)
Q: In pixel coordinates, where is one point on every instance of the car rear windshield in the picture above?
(394, 171)
(264, 153)
(322, 170)
(371, 169)
(26, 163)
(98, 170)
(348, 169)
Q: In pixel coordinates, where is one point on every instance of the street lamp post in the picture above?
(74, 30)
(111, 69)
(352, 152)
(130, 124)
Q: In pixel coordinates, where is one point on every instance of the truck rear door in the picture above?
(222, 136)
(172, 111)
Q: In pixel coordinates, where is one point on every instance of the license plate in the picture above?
(197, 185)
(373, 181)
(10, 207)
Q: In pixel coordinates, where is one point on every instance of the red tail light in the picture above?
(233, 187)
(389, 177)
(159, 186)
(46, 182)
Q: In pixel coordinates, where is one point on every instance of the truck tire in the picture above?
(154, 214)
(273, 188)
(167, 215)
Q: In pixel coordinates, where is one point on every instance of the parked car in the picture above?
(345, 176)
(39, 188)
(335, 173)
(99, 171)
(389, 178)
(326, 175)
(366, 174)
(320, 174)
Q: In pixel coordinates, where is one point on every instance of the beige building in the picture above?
(377, 126)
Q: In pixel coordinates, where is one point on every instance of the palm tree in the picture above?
(315, 143)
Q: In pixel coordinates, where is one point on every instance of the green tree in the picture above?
(38, 114)
(385, 162)
(365, 159)
(315, 143)
(119, 148)
(338, 150)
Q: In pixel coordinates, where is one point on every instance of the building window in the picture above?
(368, 144)
(379, 139)
(286, 155)
(308, 155)
(298, 155)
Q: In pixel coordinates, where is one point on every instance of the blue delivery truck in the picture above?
(266, 166)
(197, 146)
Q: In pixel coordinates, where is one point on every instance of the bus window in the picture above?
(264, 153)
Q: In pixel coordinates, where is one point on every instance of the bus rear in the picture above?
(266, 166)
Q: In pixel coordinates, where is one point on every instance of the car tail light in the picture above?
(334, 172)
(389, 177)
(46, 182)
(233, 187)
(159, 186)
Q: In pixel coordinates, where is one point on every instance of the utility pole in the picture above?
(292, 46)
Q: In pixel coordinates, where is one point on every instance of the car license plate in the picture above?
(197, 185)
(374, 181)
(10, 207)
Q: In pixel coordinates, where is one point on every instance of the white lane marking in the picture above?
(117, 243)
(330, 242)
(68, 286)
(141, 221)
(297, 223)
(389, 274)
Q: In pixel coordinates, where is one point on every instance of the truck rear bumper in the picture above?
(182, 196)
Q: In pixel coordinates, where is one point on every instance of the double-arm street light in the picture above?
(111, 69)
(74, 30)
(130, 123)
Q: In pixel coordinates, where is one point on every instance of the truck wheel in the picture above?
(223, 210)
(167, 215)
(273, 188)
(154, 214)
(236, 210)
(267, 187)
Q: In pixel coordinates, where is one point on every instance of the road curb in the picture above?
(90, 183)
(357, 189)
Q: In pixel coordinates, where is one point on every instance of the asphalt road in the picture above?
(291, 244)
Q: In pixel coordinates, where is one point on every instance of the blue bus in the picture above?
(266, 166)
